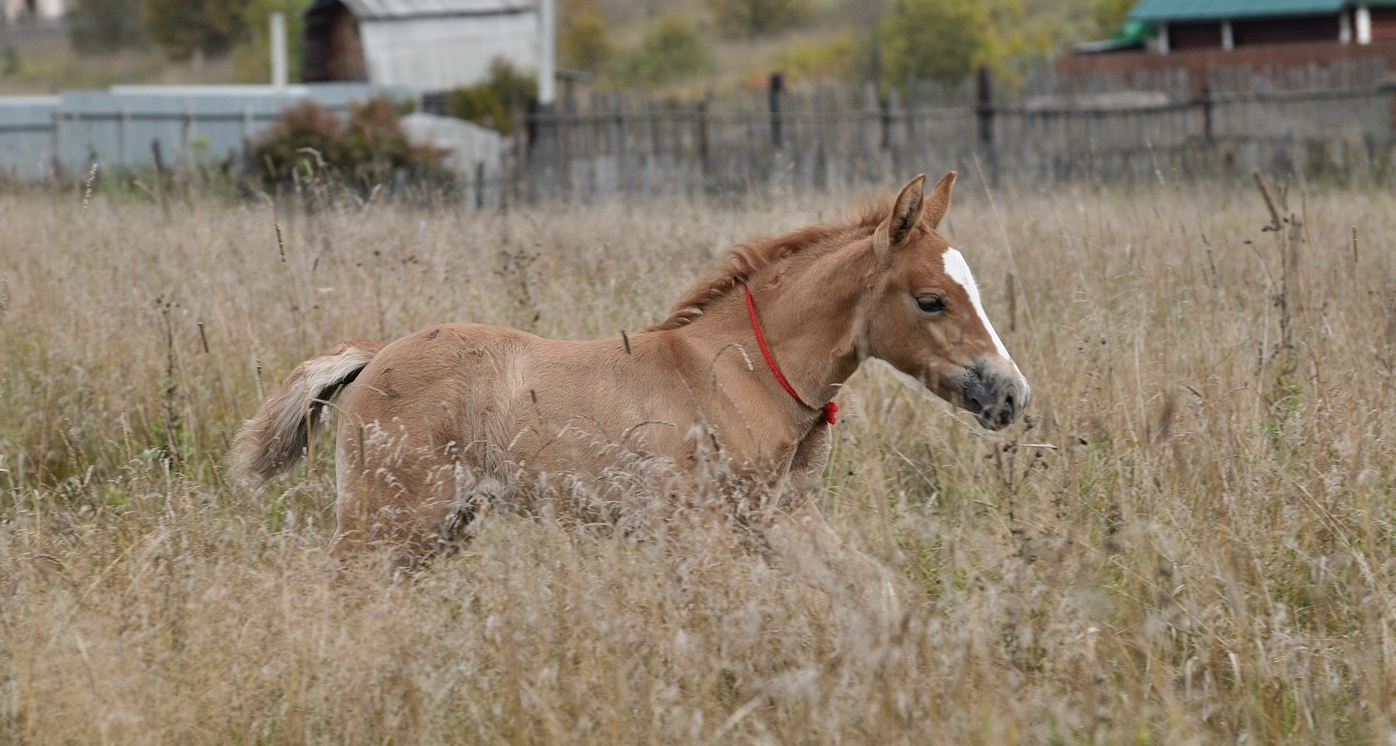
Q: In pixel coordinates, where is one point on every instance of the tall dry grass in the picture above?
(1190, 540)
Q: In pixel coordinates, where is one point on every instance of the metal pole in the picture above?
(279, 72)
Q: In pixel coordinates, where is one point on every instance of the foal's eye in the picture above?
(930, 303)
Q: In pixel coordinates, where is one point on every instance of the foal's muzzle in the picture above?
(995, 393)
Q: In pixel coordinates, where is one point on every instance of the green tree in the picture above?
(492, 103)
(758, 17)
(584, 42)
(183, 27)
(104, 26)
(932, 39)
(1110, 14)
(252, 57)
(671, 50)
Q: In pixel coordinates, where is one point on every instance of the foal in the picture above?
(745, 366)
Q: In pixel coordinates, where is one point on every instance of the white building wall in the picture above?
(442, 53)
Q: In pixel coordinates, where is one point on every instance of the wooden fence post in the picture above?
(984, 113)
(777, 86)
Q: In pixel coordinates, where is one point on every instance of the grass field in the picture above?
(1190, 540)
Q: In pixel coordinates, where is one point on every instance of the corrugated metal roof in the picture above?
(1206, 10)
(388, 9)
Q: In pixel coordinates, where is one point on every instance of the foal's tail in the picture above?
(276, 438)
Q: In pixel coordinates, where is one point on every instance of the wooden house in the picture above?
(1289, 43)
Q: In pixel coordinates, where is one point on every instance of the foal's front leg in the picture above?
(803, 540)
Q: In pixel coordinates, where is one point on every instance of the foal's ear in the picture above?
(938, 203)
(906, 210)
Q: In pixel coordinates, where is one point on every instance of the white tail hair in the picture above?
(276, 438)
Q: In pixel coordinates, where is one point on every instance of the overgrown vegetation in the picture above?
(184, 28)
(750, 18)
(932, 39)
(105, 26)
(1110, 14)
(310, 140)
(1192, 538)
(670, 50)
(834, 58)
(584, 41)
(494, 102)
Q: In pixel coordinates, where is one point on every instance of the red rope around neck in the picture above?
(830, 410)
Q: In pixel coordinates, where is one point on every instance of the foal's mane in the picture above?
(745, 260)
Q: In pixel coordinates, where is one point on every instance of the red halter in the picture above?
(830, 410)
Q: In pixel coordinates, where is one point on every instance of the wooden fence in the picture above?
(617, 146)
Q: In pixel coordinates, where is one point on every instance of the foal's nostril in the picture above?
(1007, 413)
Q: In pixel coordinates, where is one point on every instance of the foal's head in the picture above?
(924, 317)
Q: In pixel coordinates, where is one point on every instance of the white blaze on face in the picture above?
(958, 270)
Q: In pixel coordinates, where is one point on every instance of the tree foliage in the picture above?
(584, 42)
(1110, 14)
(671, 50)
(932, 39)
(104, 26)
(492, 103)
(182, 27)
(751, 18)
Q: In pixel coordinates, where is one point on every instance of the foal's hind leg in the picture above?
(399, 493)
(803, 540)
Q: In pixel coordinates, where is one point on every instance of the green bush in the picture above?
(758, 17)
(370, 150)
(671, 50)
(834, 58)
(491, 103)
(183, 26)
(104, 26)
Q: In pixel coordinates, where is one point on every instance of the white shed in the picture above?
(426, 44)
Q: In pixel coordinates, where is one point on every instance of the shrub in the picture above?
(492, 103)
(183, 26)
(585, 43)
(831, 58)
(370, 150)
(104, 26)
(671, 50)
(758, 17)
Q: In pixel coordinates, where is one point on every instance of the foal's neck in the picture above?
(808, 309)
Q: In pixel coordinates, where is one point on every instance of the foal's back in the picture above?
(456, 408)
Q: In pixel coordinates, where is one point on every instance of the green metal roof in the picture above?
(1168, 11)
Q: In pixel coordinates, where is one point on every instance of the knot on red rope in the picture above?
(831, 413)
